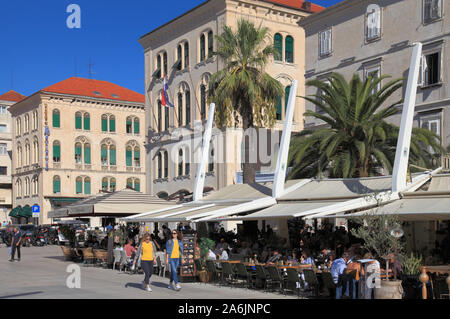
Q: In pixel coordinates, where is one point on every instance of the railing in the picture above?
(446, 162)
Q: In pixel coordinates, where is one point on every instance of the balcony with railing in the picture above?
(446, 162)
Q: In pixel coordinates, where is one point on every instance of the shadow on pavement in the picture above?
(133, 285)
(61, 258)
(21, 295)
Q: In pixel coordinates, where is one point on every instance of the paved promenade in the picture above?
(42, 274)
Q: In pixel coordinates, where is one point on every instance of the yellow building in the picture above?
(75, 139)
(182, 50)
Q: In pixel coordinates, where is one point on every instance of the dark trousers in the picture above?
(13, 251)
(147, 267)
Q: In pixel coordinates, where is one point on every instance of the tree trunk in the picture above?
(249, 169)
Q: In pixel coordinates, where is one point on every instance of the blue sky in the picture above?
(37, 49)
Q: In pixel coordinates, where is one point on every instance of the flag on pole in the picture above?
(165, 98)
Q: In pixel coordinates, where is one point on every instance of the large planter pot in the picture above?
(411, 287)
(389, 290)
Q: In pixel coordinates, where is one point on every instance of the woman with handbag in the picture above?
(147, 255)
(174, 251)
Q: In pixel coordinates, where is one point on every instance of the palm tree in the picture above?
(243, 92)
(357, 140)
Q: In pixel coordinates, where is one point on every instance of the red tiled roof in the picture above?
(297, 4)
(96, 89)
(12, 96)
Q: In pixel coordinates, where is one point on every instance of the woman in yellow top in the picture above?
(174, 251)
(147, 256)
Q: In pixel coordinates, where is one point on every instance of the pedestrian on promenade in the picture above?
(174, 251)
(16, 240)
(147, 256)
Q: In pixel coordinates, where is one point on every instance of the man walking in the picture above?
(16, 239)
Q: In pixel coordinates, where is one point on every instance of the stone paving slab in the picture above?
(41, 274)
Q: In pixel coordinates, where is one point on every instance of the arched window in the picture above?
(112, 123)
(87, 153)
(186, 54)
(287, 91)
(137, 185)
(19, 156)
(180, 162)
(289, 49)
(112, 155)
(158, 66)
(27, 186)
(35, 185)
(187, 162)
(19, 126)
(79, 185)
(278, 109)
(35, 151)
(179, 57)
(129, 183)
(278, 44)
(202, 47)
(27, 123)
(166, 164)
(136, 126)
(159, 163)
(56, 185)
(180, 109)
(19, 188)
(188, 107)
(165, 62)
(56, 152)
(166, 118)
(56, 118)
(87, 186)
(129, 156)
(27, 153)
(211, 161)
(112, 185)
(105, 184)
(210, 44)
(87, 122)
(203, 102)
(78, 121)
(104, 123)
(35, 120)
(159, 116)
(129, 125)
(78, 148)
(137, 157)
(104, 155)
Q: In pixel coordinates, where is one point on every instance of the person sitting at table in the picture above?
(222, 244)
(338, 268)
(129, 249)
(350, 282)
(275, 258)
(224, 254)
(306, 260)
(265, 254)
(292, 259)
(211, 255)
(244, 250)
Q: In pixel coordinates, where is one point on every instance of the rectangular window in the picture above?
(434, 125)
(375, 73)
(319, 95)
(3, 170)
(57, 153)
(57, 186)
(325, 42)
(432, 10)
(430, 72)
(3, 109)
(373, 25)
(3, 128)
(3, 150)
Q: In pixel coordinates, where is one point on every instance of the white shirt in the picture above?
(224, 255)
(211, 255)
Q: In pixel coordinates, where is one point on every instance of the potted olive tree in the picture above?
(376, 231)
(410, 276)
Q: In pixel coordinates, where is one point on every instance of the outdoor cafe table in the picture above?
(445, 269)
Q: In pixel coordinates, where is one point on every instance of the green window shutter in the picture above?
(56, 120)
(87, 123)
(79, 187)
(104, 184)
(278, 108)
(56, 186)
(112, 125)
(104, 125)
(289, 49)
(129, 126)
(56, 151)
(136, 127)
(129, 158)
(137, 186)
(103, 155)
(112, 157)
(112, 185)
(129, 183)
(278, 44)
(78, 122)
(87, 188)
(287, 91)
(77, 150)
(87, 155)
(202, 47)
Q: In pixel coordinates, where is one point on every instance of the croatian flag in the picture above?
(165, 98)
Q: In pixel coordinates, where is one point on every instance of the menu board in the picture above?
(187, 260)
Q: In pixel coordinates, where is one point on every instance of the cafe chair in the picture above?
(228, 276)
(262, 276)
(311, 280)
(244, 275)
(211, 268)
(117, 257)
(329, 284)
(276, 277)
(294, 279)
